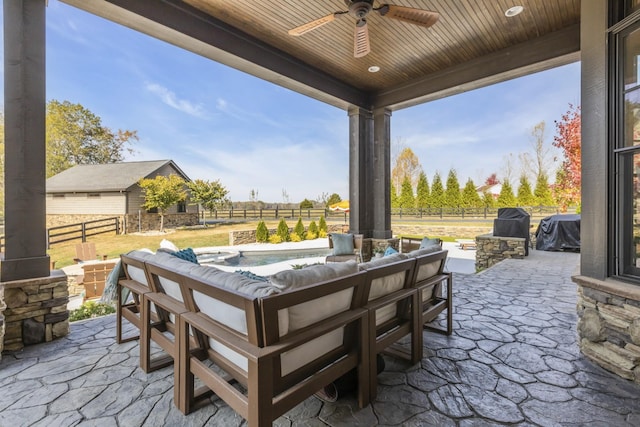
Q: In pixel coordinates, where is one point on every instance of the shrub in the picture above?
(283, 230)
(306, 204)
(323, 225)
(295, 237)
(274, 238)
(262, 233)
(313, 230)
(322, 233)
(91, 309)
(299, 229)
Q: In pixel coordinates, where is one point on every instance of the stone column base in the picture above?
(36, 310)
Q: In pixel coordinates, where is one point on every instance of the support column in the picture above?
(24, 102)
(381, 203)
(360, 171)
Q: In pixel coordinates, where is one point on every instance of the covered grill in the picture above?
(513, 222)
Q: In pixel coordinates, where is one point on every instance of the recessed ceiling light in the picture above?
(374, 69)
(513, 11)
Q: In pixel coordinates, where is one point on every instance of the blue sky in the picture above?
(219, 123)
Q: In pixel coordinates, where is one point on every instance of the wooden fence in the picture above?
(82, 230)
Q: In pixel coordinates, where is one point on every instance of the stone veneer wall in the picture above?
(491, 249)
(149, 222)
(36, 310)
(609, 325)
(440, 231)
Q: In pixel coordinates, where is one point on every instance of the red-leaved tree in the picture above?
(492, 179)
(567, 138)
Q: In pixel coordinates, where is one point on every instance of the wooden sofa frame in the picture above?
(269, 393)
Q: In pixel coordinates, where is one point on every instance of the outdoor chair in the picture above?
(95, 276)
(343, 251)
(87, 252)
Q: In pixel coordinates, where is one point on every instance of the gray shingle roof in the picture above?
(109, 177)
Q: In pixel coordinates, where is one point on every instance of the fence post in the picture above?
(84, 233)
(245, 214)
(462, 213)
(48, 239)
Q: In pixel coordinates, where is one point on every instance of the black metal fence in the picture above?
(441, 213)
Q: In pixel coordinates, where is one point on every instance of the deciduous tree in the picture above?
(406, 165)
(77, 136)
(162, 192)
(210, 194)
(568, 139)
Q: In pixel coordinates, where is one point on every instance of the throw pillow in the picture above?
(342, 244)
(427, 242)
(390, 251)
(253, 276)
(167, 244)
(186, 254)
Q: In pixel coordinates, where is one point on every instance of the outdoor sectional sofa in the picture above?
(281, 339)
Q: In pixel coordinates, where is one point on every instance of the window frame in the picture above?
(624, 264)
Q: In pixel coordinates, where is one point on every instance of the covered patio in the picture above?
(515, 356)
(513, 359)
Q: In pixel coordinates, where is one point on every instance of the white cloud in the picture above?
(170, 98)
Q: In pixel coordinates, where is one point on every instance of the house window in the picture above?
(626, 150)
(152, 210)
(182, 207)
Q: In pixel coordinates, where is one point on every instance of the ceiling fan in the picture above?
(360, 10)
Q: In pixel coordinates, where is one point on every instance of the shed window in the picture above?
(93, 195)
(58, 196)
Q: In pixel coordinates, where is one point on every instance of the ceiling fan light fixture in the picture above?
(513, 11)
(373, 69)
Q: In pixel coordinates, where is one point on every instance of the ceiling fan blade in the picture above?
(424, 18)
(361, 39)
(298, 31)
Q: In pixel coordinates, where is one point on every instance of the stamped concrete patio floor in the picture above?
(512, 360)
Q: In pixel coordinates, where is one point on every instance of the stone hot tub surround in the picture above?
(609, 324)
(36, 310)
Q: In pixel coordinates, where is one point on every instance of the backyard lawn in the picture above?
(214, 235)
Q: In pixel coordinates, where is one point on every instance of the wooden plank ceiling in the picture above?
(466, 30)
(471, 45)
